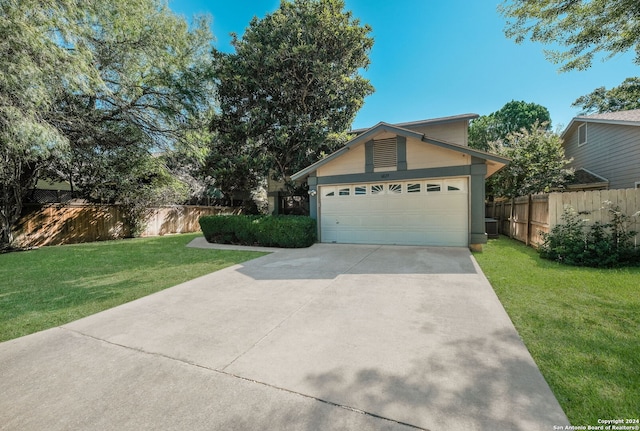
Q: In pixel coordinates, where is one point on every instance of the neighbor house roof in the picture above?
(625, 118)
(385, 127)
(585, 179)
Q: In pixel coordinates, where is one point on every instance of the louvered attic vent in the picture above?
(385, 153)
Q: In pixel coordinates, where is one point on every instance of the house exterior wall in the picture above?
(419, 155)
(422, 155)
(455, 132)
(349, 163)
(611, 151)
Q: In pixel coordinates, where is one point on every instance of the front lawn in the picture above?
(48, 287)
(581, 325)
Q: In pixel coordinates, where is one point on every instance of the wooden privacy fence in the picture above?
(57, 224)
(526, 217)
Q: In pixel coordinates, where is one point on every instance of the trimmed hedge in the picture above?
(267, 231)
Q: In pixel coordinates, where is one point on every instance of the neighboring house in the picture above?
(412, 183)
(605, 149)
(49, 191)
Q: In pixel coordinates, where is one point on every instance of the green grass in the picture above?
(50, 286)
(581, 325)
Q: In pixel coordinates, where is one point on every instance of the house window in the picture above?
(414, 188)
(385, 153)
(377, 189)
(360, 190)
(330, 192)
(582, 134)
(395, 188)
(433, 187)
(343, 192)
(455, 185)
(637, 184)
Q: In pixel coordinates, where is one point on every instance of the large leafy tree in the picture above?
(89, 89)
(39, 59)
(584, 27)
(537, 163)
(621, 98)
(512, 117)
(156, 83)
(292, 82)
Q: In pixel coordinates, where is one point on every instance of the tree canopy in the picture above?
(512, 117)
(585, 28)
(624, 97)
(291, 85)
(537, 163)
(89, 89)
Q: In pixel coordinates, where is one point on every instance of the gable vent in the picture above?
(385, 153)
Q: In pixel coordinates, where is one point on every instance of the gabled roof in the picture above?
(385, 127)
(625, 118)
(428, 122)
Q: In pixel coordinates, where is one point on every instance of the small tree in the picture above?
(537, 163)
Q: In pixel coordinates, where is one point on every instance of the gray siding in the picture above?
(611, 151)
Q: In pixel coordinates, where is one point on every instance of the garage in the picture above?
(420, 212)
(414, 183)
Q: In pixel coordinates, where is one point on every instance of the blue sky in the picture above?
(436, 58)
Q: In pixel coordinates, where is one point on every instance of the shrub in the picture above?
(268, 231)
(601, 245)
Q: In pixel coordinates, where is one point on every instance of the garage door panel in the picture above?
(421, 218)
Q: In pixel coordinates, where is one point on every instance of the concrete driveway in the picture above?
(326, 338)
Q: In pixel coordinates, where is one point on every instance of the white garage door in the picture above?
(429, 212)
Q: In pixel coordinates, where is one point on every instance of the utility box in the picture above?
(491, 227)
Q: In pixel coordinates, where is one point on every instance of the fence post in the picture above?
(529, 205)
(511, 217)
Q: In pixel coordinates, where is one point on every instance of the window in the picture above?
(377, 189)
(414, 188)
(329, 192)
(637, 184)
(385, 153)
(433, 187)
(360, 190)
(456, 185)
(344, 192)
(582, 134)
(395, 188)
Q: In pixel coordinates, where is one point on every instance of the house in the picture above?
(412, 183)
(605, 149)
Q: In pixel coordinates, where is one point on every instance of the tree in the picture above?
(37, 55)
(585, 28)
(88, 90)
(513, 116)
(156, 85)
(537, 163)
(621, 98)
(292, 82)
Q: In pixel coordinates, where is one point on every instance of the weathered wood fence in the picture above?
(57, 224)
(526, 217)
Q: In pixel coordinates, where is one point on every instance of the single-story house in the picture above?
(414, 183)
(605, 149)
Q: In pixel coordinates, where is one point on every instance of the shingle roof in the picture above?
(625, 118)
(632, 115)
